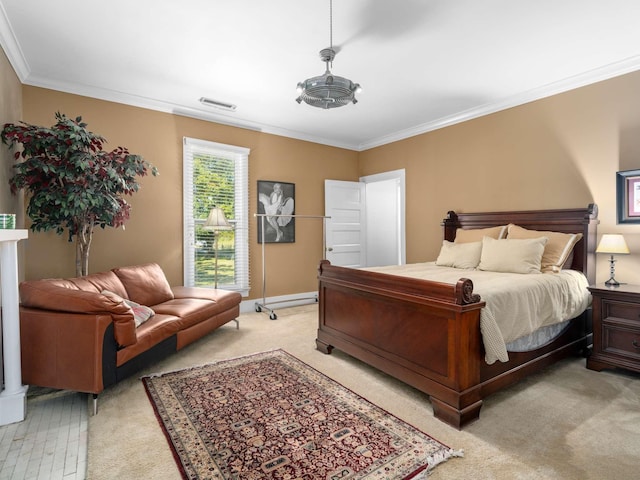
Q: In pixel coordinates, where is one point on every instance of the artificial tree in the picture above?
(71, 183)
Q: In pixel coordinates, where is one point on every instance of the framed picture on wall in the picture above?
(276, 200)
(628, 196)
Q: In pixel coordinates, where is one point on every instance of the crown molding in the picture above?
(607, 72)
(597, 75)
(161, 106)
(12, 48)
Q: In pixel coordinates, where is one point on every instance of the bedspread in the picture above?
(516, 304)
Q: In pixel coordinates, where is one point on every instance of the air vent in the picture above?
(216, 104)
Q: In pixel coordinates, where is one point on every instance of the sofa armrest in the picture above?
(65, 350)
(46, 295)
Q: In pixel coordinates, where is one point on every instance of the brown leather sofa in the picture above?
(80, 333)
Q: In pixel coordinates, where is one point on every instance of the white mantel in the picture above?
(13, 399)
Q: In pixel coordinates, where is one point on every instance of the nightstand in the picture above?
(616, 327)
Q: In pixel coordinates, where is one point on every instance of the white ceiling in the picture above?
(423, 64)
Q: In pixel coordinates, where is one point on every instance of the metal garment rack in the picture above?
(264, 306)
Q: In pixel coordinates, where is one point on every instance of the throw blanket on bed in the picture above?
(516, 304)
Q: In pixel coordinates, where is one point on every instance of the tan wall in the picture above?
(154, 232)
(559, 152)
(10, 112)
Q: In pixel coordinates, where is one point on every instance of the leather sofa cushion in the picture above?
(189, 310)
(195, 304)
(155, 330)
(224, 298)
(97, 282)
(145, 284)
(65, 296)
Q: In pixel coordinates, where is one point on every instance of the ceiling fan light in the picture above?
(328, 90)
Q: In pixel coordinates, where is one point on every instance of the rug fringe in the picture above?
(436, 459)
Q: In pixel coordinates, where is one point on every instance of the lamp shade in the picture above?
(216, 220)
(613, 244)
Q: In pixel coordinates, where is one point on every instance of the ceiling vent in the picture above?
(216, 104)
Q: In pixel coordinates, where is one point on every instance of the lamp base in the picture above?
(612, 282)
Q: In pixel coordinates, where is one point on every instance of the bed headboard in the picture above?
(572, 220)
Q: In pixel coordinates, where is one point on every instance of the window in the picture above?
(216, 175)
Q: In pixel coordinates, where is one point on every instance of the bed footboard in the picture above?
(426, 334)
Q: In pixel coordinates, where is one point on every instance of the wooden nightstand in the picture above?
(616, 327)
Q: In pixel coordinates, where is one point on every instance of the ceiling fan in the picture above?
(328, 90)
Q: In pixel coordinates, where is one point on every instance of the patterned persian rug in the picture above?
(271, 416)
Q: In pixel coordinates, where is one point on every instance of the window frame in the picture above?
(240, 156)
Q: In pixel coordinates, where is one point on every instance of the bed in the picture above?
(427, 333)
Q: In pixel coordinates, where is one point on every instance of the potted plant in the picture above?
(71, 183)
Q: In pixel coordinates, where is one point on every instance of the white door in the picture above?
(385, 220)
(367, 224)
(383, 227)
(344, 202)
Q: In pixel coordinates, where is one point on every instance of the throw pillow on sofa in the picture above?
(141, 313)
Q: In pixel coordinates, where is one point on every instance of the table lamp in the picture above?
(612, 244)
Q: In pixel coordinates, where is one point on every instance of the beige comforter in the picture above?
(516, 304)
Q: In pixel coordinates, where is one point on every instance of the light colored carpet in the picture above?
(565, 423)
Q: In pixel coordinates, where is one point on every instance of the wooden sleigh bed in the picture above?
(427, 334)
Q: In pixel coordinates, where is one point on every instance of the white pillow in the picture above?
(512, 256)
(459, 255)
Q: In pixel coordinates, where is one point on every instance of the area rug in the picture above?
(271, 416)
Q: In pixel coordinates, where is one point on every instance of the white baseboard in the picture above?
(278, 302)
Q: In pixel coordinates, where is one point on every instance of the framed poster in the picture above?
(276, 200)
(628, 196)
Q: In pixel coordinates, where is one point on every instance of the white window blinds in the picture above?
(216, 175)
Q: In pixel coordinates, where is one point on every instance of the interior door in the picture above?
(383, 227)
(344, 202)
